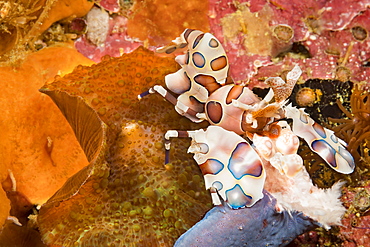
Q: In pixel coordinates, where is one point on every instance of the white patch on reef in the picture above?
(322, 205)
(14, 220)
(298, 193)
(97, 26)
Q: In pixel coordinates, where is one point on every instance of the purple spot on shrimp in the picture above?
(214, 111)
(197, 40)
(213, 43)
(187, 58)
(171, 49)
(207, 81)
(218, 185)
(187, 33)
(211, 166)
(347, 156)
(198, 60)
(219, 63)
(245, 161)
(334, 138)
(319, 130)
(234, 93)
(303, 118)
(326, 151)
(236, 197)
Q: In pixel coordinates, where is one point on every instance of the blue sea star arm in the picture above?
(260, 225)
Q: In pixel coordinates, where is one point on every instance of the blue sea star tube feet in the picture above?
(264, 224)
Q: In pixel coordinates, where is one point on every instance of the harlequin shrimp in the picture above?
(205, 93)
(321, 140)
(204, 69)
(232, 169)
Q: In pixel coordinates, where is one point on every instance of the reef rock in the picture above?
(24, 21)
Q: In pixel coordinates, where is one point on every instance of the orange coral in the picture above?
(35, 136)
(4, 206)
(60, 9)
(158, 20)
(126, 195)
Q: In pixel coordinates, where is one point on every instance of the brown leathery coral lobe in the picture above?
(126, 196)
(34, 135)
